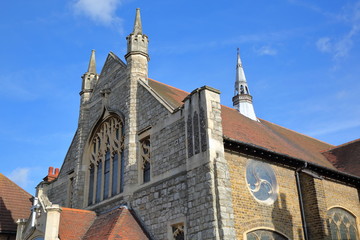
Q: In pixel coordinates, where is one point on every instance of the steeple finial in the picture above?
(92, 63)
(137, 23)
(242, 99)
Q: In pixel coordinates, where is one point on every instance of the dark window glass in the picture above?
(115, 175)
(98, 183)
(107, 175)
(146, 172)
(91, 185)
(122, 170)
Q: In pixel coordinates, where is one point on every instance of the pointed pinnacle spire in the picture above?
(240, 75)
(92, 63)
(137, 24)
(239, 63)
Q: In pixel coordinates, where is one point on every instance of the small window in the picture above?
(178, 232)
(145, 159)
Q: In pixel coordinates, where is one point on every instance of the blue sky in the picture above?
(301, 60)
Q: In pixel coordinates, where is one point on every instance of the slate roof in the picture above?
(118, 223)
(15, 203)
(261, 134)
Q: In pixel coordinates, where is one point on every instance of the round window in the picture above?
(261, 181)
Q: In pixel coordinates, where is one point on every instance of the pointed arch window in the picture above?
(264, 234)
(342, 224)
(105, 171)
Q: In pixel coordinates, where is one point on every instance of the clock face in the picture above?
(261, 182)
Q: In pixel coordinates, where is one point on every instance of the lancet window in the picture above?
(145, 158)
(106, 167)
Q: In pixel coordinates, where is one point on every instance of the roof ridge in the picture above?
(2, 176)
(77, 210)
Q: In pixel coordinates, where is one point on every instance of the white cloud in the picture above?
(20, 176)
(266, 50)
(341, 47)
(101, 11)
(334, 127)
(323, 44)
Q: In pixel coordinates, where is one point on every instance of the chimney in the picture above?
(51, 174)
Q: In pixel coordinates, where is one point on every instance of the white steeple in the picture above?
(242, 99)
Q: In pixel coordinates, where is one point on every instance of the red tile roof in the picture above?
(170, 94)
(262, 134)
(86, 225)
(346, 157)
(74, 223)
(273, 137)
(15, 203)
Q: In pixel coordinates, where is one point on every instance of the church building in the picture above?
(150, 161)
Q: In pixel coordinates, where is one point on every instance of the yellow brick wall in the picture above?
(283, 216)
(346, 197)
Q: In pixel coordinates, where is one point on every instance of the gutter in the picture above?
(302, 209)
(286, 160)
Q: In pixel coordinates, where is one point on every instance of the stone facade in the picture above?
(194, 183)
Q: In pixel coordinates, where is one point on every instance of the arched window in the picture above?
(105, 169)
(264, 234)
(342, 224)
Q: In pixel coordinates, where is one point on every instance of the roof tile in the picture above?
(15, 203)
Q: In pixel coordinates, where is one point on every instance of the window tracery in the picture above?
(261, 182)
(178, 231)
(105, 170)
(342, 224)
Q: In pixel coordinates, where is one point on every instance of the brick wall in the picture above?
(282, 216)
